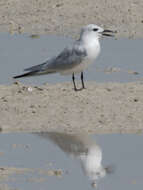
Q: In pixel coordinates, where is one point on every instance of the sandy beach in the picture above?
(101, 108)
(66, 17)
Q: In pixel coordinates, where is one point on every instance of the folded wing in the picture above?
(67, 59)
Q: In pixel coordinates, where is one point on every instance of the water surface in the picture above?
(17, 52)
(120, 167)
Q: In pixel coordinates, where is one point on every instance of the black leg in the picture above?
(73, 79)
(83, 86)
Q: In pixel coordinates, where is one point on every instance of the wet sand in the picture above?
(101, 108)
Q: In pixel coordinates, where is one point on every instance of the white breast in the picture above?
(93, 49)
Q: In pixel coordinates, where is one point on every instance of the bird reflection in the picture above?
(84, 148)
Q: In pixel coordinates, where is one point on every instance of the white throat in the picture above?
(92, 46)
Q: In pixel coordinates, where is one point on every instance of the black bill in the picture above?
(108, 33)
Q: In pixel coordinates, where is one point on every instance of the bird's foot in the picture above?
(79, 89)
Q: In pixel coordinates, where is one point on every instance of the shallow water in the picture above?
(123, 57)
(121, 166)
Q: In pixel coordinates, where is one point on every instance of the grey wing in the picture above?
(36, 67)
(42, 68)
(67, 59)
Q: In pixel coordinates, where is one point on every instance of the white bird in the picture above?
(75, 59)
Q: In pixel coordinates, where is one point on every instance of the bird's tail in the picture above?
(25, 74)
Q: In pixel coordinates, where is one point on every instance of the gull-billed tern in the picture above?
(75, 59)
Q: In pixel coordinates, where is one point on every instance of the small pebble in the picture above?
(30, 89)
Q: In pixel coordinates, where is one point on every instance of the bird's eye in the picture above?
(95, 29)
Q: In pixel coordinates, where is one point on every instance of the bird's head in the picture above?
(95, 32)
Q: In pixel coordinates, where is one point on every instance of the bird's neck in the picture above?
(92, 47)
